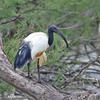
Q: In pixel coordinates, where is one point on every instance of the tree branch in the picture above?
(34, 89)
(15, 18)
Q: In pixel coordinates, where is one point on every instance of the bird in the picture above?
(34, 47)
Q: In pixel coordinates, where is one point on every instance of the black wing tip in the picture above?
(18, 66)
(23, 56)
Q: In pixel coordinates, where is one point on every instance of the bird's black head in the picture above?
(53, 28)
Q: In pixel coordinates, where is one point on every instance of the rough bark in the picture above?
(34, 89)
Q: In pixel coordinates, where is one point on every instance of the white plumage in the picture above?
(38, 42)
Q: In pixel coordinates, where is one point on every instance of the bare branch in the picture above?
(15, 18)
(34, 89)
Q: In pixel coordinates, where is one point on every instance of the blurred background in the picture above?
(68, 70)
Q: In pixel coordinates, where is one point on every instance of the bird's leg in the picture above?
(38, 68)
(29, 76)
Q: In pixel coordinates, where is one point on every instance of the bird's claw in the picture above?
(29, 77)
(39, 81)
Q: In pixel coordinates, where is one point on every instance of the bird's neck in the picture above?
(50, 35)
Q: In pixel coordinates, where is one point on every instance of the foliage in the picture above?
(5, 87)
(26, 16)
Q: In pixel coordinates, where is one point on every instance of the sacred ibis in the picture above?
(34, 47)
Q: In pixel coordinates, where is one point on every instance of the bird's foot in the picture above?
(39, 81)
(29, 76)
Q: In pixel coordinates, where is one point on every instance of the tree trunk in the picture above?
(34, 89)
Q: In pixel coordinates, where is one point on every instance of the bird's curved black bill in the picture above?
(63, 37)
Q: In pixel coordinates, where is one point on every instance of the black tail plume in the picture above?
(23, 56)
